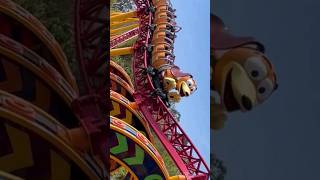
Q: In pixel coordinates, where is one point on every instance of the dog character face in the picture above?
(178, 84)
(244, 78)
(186, 85)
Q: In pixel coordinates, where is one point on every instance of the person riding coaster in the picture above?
(163, 45)
(163, 24)
(163, 15)
(243, 77)
(162, 57)
(162, 39)
(164, 34)
(162, 48)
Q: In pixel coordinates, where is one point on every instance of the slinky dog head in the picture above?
(184, 82)
(186, 85)
(244, 78)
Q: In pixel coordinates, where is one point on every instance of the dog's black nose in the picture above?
(246, 102)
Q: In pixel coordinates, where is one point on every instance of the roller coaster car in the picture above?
(165, 27)
(163, 24)
(164, 11)
(175, 83)
(165, 35)
(162, 52)
(166, 23)
(162, 56)
(162, 39)
(158, 3)
(243, 75)
(165, 15)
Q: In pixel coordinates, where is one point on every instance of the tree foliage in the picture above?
(218, 169)
(122, 5)
(175, 112)
(57, 18)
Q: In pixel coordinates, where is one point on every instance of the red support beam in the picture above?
(123, 38)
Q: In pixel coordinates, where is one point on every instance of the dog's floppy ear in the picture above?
(222, 38)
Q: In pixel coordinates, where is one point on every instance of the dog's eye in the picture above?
(192, 85)
(264, 89)
(193, 89)
(255, 68)
(190, 82)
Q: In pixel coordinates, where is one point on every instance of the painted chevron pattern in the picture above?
(37, 89)
(119, 71)
(27, 38)
(141, 163)
(121, 111)
(121, 86)
(29, 86)
(34, 153)
(32, 149)
(10, 46)
(19, 32)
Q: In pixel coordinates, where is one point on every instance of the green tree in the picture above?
(123, 5)
(56, 17)
(218, 170)
(175, 112)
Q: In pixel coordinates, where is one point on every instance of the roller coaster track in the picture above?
(133, 151)
(31, 33)
(120, 72)
(33, 138)
(124, 38)
(90, 30)
(143, 161)
(177, 143)
(121, 86)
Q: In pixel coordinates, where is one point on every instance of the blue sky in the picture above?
(192, 50)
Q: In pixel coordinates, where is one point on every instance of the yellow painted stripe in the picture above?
(121, 30)
(22, 153)
(60, 169)
(122, 16)
(128, 118)
(116, 109)
(125, 167)
(121, 51)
